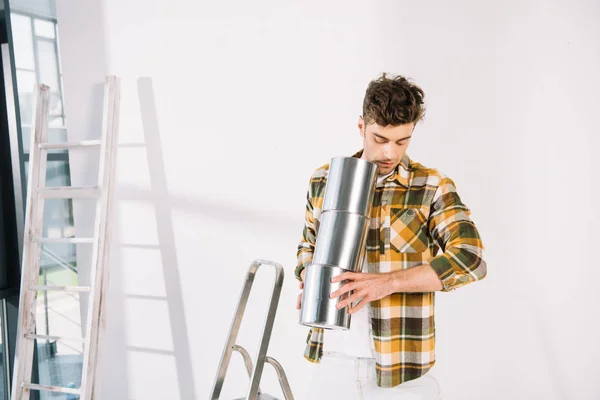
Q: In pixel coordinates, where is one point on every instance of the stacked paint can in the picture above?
(341, 240)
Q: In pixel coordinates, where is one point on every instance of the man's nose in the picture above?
(389, 152)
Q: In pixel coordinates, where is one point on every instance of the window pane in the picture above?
(25, 85)
(26, 137)
(56, 122)
(46, 8)
(57, 174)
(59, 363)
(47, 64)
(56, 134)
(23, 41)
(44, 28)
(58, 314)
(25, 81)
(55, 104)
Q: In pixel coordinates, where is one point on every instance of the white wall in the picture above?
(227, 107)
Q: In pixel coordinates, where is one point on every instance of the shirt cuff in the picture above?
(443, 268)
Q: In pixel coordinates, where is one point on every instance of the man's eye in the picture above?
(379, 140)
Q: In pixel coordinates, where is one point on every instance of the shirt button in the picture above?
(409, 213)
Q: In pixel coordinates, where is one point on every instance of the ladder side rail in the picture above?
(96, 323)
(233, 331)
(30, 268)
(268, 329)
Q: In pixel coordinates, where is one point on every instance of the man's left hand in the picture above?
(368, 287)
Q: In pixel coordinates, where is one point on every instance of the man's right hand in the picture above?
(301, 285)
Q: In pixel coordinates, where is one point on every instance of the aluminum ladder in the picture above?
(254, 372)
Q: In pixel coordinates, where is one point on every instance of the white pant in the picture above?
(343, 377)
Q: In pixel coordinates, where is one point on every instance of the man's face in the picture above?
(385, 145)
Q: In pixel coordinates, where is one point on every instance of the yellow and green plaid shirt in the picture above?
(416, 213)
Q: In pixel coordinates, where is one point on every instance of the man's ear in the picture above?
(361, 125)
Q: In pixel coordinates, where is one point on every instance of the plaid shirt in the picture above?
(416, 212)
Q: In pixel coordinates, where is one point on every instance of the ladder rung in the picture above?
(60, 288)
(59, 338)
(68, 192)
(67, 240)
(70, 145)
(58, 389)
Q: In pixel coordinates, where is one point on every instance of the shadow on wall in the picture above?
(126, 307)
(166, 243)
(114, 365)
(257, 218)
(130, 257)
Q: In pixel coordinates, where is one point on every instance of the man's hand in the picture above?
(301, 285)
(371, 287)
(368, 287)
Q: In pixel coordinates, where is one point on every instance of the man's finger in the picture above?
(344, 289)
(349, 300)
(299, 302)
(358, 306)
(345, 276)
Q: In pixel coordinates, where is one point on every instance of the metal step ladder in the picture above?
(33, 240)
(254, 372)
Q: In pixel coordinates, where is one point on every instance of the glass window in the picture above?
(58, 314)
(56, 105)
(23, 42)
(56, 133)
(48, 67)
(26, 81)
(44, 28)
(57, 122)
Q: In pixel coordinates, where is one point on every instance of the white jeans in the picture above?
(339, 376)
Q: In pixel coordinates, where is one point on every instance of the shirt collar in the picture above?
(402, 172)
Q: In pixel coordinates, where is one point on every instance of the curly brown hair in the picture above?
(393, 100)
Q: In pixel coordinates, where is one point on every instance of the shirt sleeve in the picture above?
(451, 227)
(307, 244)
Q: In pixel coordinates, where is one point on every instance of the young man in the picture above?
(416, 214)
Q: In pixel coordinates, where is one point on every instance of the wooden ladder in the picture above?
(37, 193)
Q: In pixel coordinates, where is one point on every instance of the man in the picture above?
(416, 213)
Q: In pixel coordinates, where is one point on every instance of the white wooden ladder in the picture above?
(33, 240)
